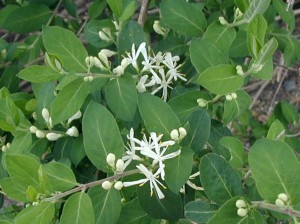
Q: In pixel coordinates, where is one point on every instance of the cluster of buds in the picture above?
(202, 102)
(231, 96)
(106, 185)
(282, 200)
(239, 70)
(242, 208)
(118, 166)
(178, 135)
(238, 14)
(5, 147)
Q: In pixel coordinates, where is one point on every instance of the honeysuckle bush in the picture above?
(136, 119)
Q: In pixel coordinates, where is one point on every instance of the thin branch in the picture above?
(263, 86)
(272, 207)
(143, 13)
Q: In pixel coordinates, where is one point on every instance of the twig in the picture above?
(253, 86)
(272, 207)
(263, 86)
(143, 13)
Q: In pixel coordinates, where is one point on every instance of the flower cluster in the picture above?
(282, 200)
(241, 205)
(155, 150)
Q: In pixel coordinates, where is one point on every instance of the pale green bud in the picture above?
(223, 20)
(53, 136)
(33, 129)
(110, 159)
(234, 95)
(108, 53)
(182, 132)
(45, 114)
(228, 97)
(106, 185)
(240, 203)
(174, 135)
(75, 116)
(279, 203)
(40, 134)
(118, 185)
(242, 212)
(202, 102)
(120, 165)
(73, 132)
(283, 197)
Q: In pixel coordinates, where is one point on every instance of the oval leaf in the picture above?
(199, 211)
(39, 74)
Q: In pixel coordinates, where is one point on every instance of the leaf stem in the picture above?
(272, 207)
(83, 187)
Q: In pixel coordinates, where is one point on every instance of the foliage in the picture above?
(141, 120)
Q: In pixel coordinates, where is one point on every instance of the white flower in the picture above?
(152, 178)
(119, 70)
(53, 136)
(75, 117)
(73, 132)
(171, 64)
(142, 85)
(164, 85)
(150, 65)
(135, 54)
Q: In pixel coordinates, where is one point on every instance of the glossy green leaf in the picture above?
(23, 168)
(256, 7)
(185, 104)
(183, 17)
(220, 36)
(132, 33)
(20, 144)
(170, 207)
(256, 35)
(276, 131)
(69, 100)
(289, 112)
(39, 74)
(234, 108)
(238, 47)
(27, 19)
(219, 179)
(157, 115)
(281, 170)
(221, 79)
(101, 135)
(64, 45)
(178, 169)
(205, 55)
(129, 10)
(217, 131)
(236, 149)
(78, 152)
(60, 176)
(174, 45)
(41, 213)
(9, 115)
(199, 211)
(13, 189)
(121, 96)
(106, 204)
(198, 130)
(78, 209)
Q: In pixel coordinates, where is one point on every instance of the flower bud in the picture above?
(33, 129)
(89, 61)
(104, 36)
(125, 62)
(107, 53)
(98, 63)
(110, 159)
(40, 134)
(174, 135)
(106, 185)
(158, 29)
(8, 145)
(202, 102)
(118, 185)
(223, 20)
(228, 97)
(73, 132)
(75, 116)
(34, 116)
(240, 203)
(234, 95)
(45, 114)
(103, 58)
(279, 203)
(242, 212)
(57, 64)
(119, 70)
(283, 197)
(182, 132)
(4, 148)
(239, 70)
(53, 136)
(120, 165)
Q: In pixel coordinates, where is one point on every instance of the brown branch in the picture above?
(143, 13)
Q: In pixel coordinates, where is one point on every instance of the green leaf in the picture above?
(129, 10)
(221, 79)
(116, 6)
(178, 169)
(242, 4)
(170, 207)
(219, 179)
(236, 149)
(69, 100)
(78, 152)
(27, 19)
(289, 112)
(198, 131)
(256, 7)
(132, 33)
(281, 170)
(20, 144)
(9, 115)
(106, 204)
(78, 209)
(220, 36)
(121, 96)
(39, 74)
(137, 217)
(266, 72)
(13, 189)
(185, 104)
(276, 131)
(60, 176)
(96, 8)
(205, 55)
(199, 211)
(174, 45)
(64, 45)
(41, 213)
(286, 15)
(23, 168)
(256, 35)
(5, 11)
(183, 17)
(238, 47)
(101, 135)
(217, 131)
(157, 115)
(236, 107)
